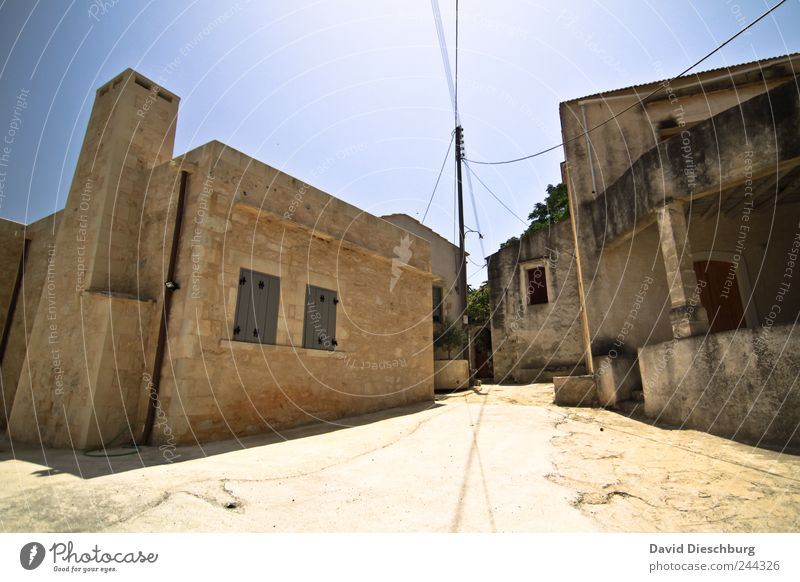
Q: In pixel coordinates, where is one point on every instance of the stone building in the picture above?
(684, 281)
(452, 370)
(182, 299)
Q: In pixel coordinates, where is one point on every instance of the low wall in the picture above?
(739, 384)
(616, 378)
(450, 374)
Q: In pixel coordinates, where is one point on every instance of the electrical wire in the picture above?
(489, 190)
(439, 177)
(457, 118)
(437, 19)
(636, 103)
(475, 212)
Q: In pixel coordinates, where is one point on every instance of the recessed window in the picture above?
(319, 332)
(256, 317)
(536, 285)
(438, 305)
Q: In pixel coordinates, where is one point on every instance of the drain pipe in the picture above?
(589, 149)
(170, 286)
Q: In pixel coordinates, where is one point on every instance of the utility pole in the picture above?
(462, 270)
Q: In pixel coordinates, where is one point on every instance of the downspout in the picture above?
(589, 151)
(12, 307)
(587, 338)
(170, 286)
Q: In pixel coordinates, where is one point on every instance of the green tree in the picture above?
(555, 208)
(478, 304)
(448, 335)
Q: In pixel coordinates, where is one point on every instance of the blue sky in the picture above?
(351, 96)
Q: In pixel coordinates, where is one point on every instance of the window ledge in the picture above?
(281, 349)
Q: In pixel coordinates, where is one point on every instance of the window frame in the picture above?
(526, 266)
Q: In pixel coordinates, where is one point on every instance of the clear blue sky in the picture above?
(358, 83)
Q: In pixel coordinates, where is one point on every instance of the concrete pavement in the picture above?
(502, 460)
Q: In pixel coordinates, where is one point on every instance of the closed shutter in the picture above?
(319, 332)
(256, 318)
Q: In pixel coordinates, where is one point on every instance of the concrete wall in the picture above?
(535, 341)
(627, 295)
(739, 384)
(765, 251)
(618, 144)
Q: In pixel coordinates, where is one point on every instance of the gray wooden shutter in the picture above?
(258, 322)
(242, 306)
(256, 318)
(270, 330)
(319, 332)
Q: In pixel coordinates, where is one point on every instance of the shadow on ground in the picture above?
(92, 464)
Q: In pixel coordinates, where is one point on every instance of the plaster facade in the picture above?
(686, 212)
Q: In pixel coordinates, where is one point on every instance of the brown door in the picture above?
(720, 296)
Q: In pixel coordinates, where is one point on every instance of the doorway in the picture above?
(720, 296)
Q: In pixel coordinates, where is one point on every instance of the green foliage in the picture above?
(555, 208)
(448, 335)
(478, 308)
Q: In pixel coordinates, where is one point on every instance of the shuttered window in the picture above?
(437, 305)
(256, 317)
(319, 332)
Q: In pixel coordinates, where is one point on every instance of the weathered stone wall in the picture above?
(737, 384)
(85, 351)
(243, 213)
(41, 235)
(620, 143)
(445, 259)
(535, 341)
(11, 244)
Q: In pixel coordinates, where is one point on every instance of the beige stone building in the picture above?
(452, 370)
(684, 282)
(204, 296)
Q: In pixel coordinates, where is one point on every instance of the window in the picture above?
(438, 306)
(319, 332)
(256, 317)
(537, 285)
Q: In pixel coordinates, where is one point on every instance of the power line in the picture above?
(439, 177)
(489, 190)
(437, 20)
(456, 83)
(636, 103)
(475, 213)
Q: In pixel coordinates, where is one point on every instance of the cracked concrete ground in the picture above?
(504, 459)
